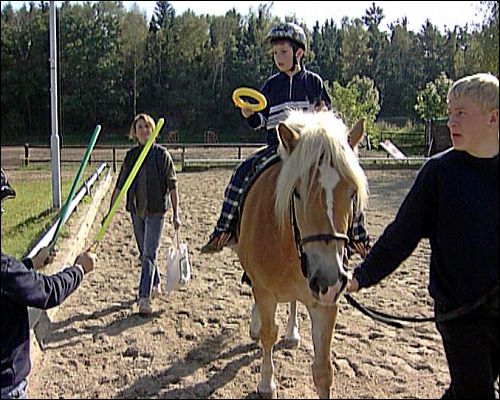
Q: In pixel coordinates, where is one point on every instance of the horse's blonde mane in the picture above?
(323, 139)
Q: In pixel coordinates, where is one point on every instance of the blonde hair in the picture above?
(323, 138)
(482, 88)
(146, 118)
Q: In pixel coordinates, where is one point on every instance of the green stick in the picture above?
(128, 182)
(64, 212)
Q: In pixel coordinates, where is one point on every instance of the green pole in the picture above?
(64, 212)
(128, 182)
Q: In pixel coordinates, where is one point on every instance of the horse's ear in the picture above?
(288, 137)
(356, 133)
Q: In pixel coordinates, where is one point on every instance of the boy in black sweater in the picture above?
(454, 203)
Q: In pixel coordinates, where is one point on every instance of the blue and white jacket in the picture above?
(285, 93)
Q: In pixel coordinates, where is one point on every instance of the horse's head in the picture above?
(316, 186)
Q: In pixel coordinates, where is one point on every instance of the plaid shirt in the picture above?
(228, 219)
(357, 232)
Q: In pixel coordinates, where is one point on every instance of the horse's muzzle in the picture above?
(328, 295)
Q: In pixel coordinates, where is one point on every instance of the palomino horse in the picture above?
(292, 238)
(292, 335)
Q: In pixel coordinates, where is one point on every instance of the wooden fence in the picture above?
(191, 156)
(187, 154)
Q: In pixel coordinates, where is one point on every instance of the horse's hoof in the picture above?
(324, 393)
(268, 393)
(254, 335)
(291, 343)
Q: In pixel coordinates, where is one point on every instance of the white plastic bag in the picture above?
(178, 267)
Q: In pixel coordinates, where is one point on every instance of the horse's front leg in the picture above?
(292, 337)
(254, 323)
(323, 322)
(266, 307)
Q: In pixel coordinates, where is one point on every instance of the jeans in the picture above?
(471, 344)
(16, 392)
(147, 233)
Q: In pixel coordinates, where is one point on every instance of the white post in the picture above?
(54, 138)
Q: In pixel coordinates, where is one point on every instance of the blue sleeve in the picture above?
(318, 90)
(413, 222)
(325, 96)
(29, 287)
(255, 121)
(28, 263)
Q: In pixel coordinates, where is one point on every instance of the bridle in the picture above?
(328, 237)
(320, 237)
(370, 312)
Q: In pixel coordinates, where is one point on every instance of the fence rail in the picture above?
(181, 154)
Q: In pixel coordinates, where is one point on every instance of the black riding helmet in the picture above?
(292, 32)
(6, 191)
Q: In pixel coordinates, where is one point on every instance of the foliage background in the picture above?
(114, 63)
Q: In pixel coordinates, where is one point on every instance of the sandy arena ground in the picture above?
(196, 344)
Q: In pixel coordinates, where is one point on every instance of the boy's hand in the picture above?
(87, 260)
(246, 112)
(352, 285)
(43, 257)
(320, 106)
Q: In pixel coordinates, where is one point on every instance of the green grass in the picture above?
(27, 216)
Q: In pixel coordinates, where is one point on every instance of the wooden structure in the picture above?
(171, 137)
(437, 136)
(392, 150)
(210, 137)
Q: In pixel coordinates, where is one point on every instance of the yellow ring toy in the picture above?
(253, 94)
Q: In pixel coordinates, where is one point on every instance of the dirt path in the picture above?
(196, 345)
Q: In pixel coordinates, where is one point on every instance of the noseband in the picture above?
(320, 237)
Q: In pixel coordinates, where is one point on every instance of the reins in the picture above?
(445, 316)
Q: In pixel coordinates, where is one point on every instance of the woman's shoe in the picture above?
(145, 308)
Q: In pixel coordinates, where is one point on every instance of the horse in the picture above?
(291, 239)
(291, 340)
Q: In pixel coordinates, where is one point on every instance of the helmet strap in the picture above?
(295, 61)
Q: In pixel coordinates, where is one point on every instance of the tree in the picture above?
(431, 101)
(134, 33)
(399, 67)
(25, 72)
(354, 52)
(373, 17)
(325, 44)
(488, 38)
(377, 39)
(430, 44)
(358, 99)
